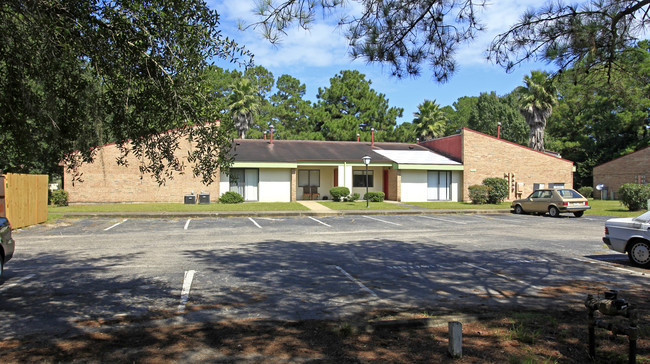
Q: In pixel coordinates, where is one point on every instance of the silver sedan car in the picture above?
(7, 244)
(631, 236)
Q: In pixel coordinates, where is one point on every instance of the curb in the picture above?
(240, 214)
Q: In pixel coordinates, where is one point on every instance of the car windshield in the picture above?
(643, 218)
(569, 194)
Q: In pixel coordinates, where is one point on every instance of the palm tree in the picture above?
(537, 101)
(429, 120)
(244, 102)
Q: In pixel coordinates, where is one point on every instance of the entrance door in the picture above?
(438, 185)
(308, 183)
(244, 182)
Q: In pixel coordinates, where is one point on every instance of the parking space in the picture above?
(298, 267)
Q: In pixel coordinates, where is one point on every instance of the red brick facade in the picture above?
(105, 181)
(631, 168)
(485, 156)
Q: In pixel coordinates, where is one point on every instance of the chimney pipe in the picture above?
(372, 136)
(271, 126)
(357, 137)
(499, 130)
(264, 134)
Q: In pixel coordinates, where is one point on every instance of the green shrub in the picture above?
(339, 193)
(634, 197)
(478, 194)
(374, 196)
(586, 191)
(353, 197)
(231, 197)
(497, 189)
(59, 198)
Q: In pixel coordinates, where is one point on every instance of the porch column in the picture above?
(294, 184)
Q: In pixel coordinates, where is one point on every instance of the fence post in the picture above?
(455, 339)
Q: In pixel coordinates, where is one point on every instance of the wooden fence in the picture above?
(23, 198)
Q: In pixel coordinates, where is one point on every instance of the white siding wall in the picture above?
(275, 185)
(456, 183)
(345, 176)
(224, 184)
(414, 186)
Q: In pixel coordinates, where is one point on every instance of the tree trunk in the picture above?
(536, 120)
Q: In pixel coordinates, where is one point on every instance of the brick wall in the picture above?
(486, 156)
(105, 181)
(631, 168)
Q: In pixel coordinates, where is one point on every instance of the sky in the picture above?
(316, 55)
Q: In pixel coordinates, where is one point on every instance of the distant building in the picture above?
(291, 170)
(631, 168)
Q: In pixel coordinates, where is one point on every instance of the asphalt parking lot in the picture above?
(76, 272)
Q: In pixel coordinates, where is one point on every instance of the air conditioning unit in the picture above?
(204, 198)
(190, 199)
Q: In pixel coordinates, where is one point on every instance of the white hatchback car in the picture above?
(631, 236)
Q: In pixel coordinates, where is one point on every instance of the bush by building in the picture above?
(59, 198)
(635, 197)
(231, 197)
(586, 191)
(497, 189)
(478, 194)
(374, 196)
(339, 193)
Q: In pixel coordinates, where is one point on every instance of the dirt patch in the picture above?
(512, 335)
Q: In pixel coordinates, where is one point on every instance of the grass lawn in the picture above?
(179, 207)
(611, 208)
(361, 205)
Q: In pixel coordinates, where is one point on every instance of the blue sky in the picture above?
(319, 54)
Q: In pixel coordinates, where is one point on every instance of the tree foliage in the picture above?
(349, 106)
(77, 74)
(593, 34)
(407, 34)
(537, 100)
(429, 120)
(403, 34)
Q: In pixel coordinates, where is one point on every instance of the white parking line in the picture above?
(318, 221)
(254, 222)
(363, 287)
(15, 283)
(119, 223)
(444, 220)
(185, 292)
(503, 276)
(187, 224)
(384, 221)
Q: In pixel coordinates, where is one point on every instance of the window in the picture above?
(359, 179)
(308, 177)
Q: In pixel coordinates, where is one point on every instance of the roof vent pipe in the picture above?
(264, 134)
(357, 137)
(499, 130)
(372, 137)
(271, 126)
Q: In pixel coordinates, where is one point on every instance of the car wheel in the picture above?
(553, 211)
(578, 213)
(2, 267)
(639, 253)
(519, 210)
